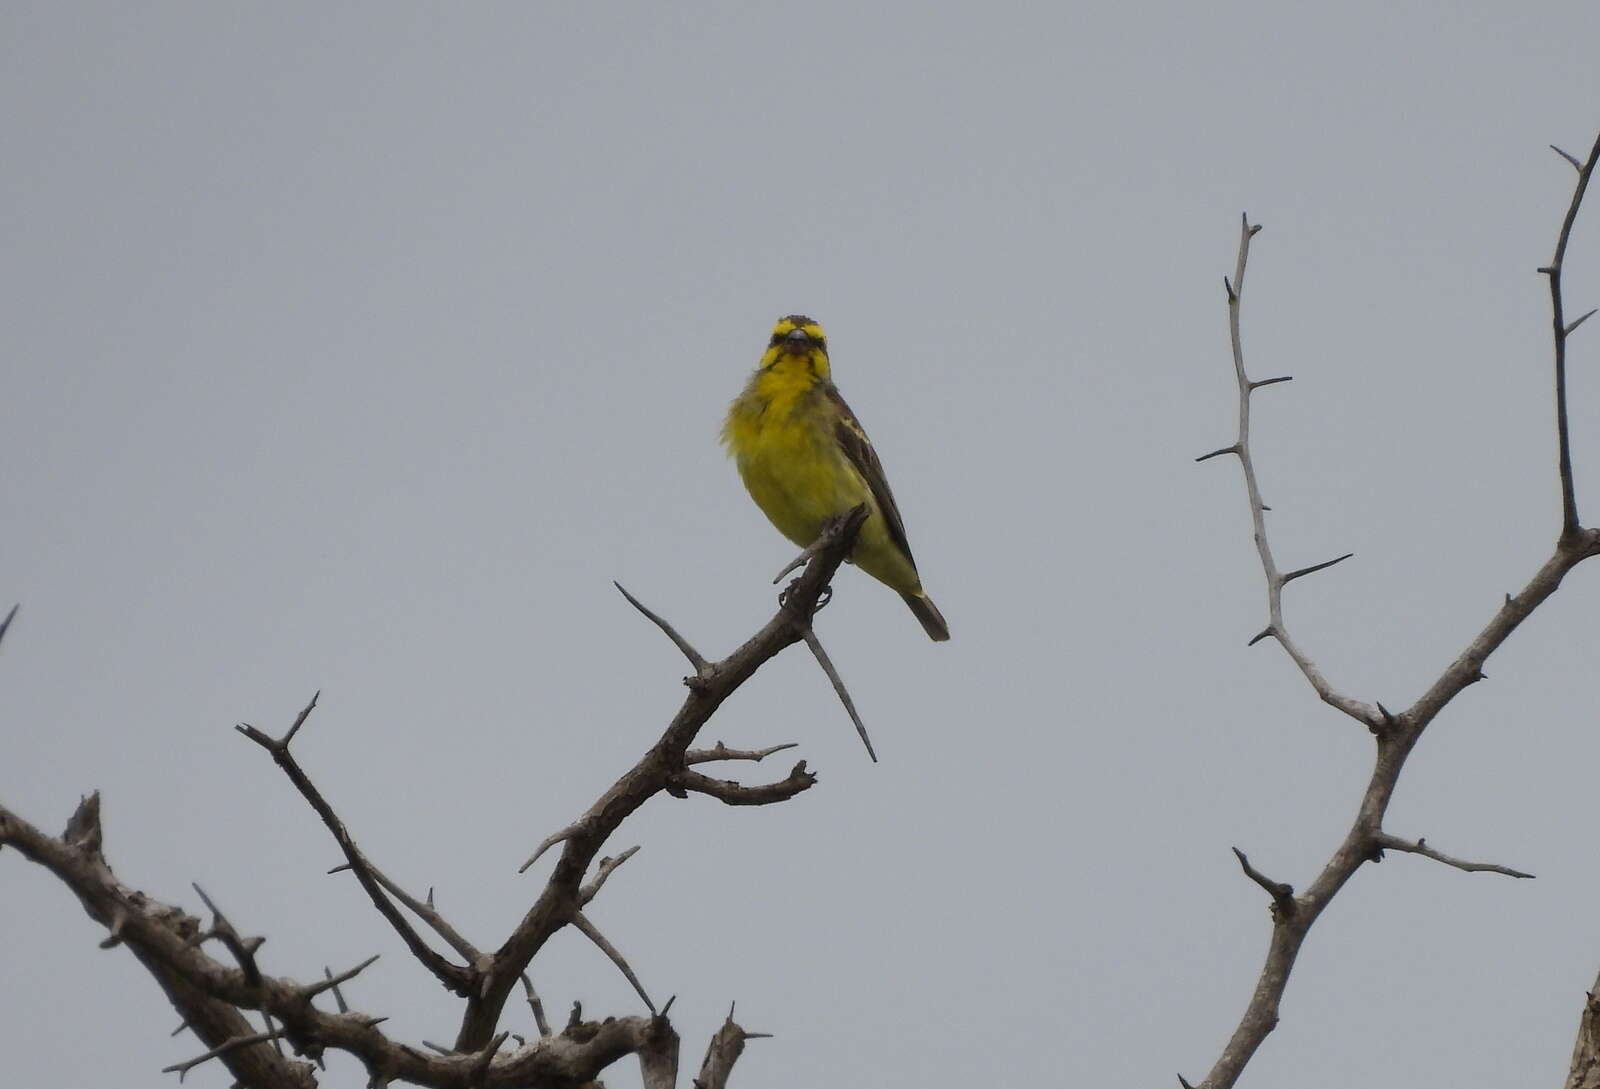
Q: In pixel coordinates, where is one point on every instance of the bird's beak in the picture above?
(797, 340)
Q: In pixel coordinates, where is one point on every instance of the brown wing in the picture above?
(858, 448)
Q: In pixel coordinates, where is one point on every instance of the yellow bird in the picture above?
(804, 459)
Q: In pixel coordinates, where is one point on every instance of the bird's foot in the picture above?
(823, 597)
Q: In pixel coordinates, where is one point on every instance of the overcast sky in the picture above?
(358, 347)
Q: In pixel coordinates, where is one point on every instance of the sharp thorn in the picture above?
(1576, 165)
(838, 686)
(1284, 580)
(1579, 322)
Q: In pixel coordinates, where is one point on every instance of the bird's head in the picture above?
(797, 341)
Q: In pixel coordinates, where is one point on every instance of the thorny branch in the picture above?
(662, 769)
(458, 978)
(212, 996)
(1396, 735)
(1561, 330)
(1276, 628)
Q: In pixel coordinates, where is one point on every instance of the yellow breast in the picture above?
(780, 432)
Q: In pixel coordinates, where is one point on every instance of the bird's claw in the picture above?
(824, 596)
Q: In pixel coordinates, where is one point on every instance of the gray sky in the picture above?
(360, 347)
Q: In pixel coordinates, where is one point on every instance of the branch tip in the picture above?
(300, 720)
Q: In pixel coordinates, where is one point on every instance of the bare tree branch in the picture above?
(1560, 330)
(1241, 446)
(662, 768)
(1384, 841)
(458, 978)
(732, 793)
(1396, 735)
(722, 752)
(213, 997)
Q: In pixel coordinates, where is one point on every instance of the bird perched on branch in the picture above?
(805, 459)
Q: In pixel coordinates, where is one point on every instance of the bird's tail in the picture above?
(926, 611)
